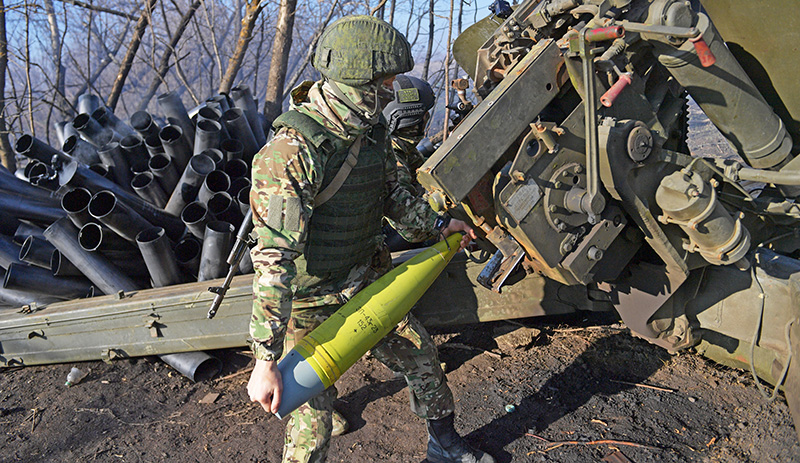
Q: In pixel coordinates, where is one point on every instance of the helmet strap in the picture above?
(370, 118)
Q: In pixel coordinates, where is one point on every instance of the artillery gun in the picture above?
(574, 166)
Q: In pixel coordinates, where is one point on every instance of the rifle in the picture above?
(239, 248)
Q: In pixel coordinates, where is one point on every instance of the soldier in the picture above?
(320, 187)
(406, 116)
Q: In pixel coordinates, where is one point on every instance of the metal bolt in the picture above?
(594, 253)
(558, 184)
(579, 169)
(553, 208)
(562, 226)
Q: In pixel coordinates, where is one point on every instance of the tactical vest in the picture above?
(346, 230)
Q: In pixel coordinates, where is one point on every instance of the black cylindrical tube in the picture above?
(116, 215)
(9, 183)
(108, 119)
(243, 200)
(16, 298)
(146, 186)
(81, 150)
(175, 145)
(26, 172)
(64, 236)
(140, 166)
(237, 185)
(243, 98)
(33, 148)
(153, 144)
(39, 280)
(225, 208)
(165, 171)
(189, 184)
(187, 254)
(36, 169)
(36, 251)
(221, 100)
(217, 156)
(94, 237)
(217, 243)
(8, 224)
(207, 135)
(69, 130)
(159, 257)
(102, 170)
(36, 211)
(87, 103)
(172, 106)
(24, 230)
(75, 175)
(76, 204)
(9, 252)
(246, 264)
(92, 131)
(196, 216)
(113, 158)
(59, 126)
(208, 112)
(143, 122)
(231, 148)
(134, 149)
(237, 168)
(62, 267)
(238, 128)
(215, 181)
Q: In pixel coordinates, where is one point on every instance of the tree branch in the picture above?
(99, 8)
(125, 68)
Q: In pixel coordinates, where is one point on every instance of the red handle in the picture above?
(608, 98)
(605, 33)
(703, 52)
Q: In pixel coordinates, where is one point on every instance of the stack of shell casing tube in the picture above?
(121, 204)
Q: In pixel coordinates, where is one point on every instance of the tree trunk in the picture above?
(163, 65)
(281, 46)
(312, 45)
(446, 127)
(127, 62)
(245, 36)
(7, 156)
(431, 31)
(60, 98)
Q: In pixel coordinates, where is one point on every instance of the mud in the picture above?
(578, 389)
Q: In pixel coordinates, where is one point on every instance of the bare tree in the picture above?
(252, 11)
(447, 75)
(163, 65)
(431, 31)
(127, 62)
(281, 46)
(56, 46)
(312, 44)
(6, 153)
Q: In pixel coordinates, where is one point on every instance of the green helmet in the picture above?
(356, 50)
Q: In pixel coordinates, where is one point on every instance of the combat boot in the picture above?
(446, 446)
(340, 424)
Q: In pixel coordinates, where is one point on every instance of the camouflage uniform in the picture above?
(291, 170)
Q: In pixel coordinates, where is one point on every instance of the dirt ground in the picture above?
(581, 388)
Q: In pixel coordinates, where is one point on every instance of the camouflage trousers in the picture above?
(406, 350)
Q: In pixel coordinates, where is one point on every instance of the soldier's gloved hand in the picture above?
(265, 385)
(455, 226)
